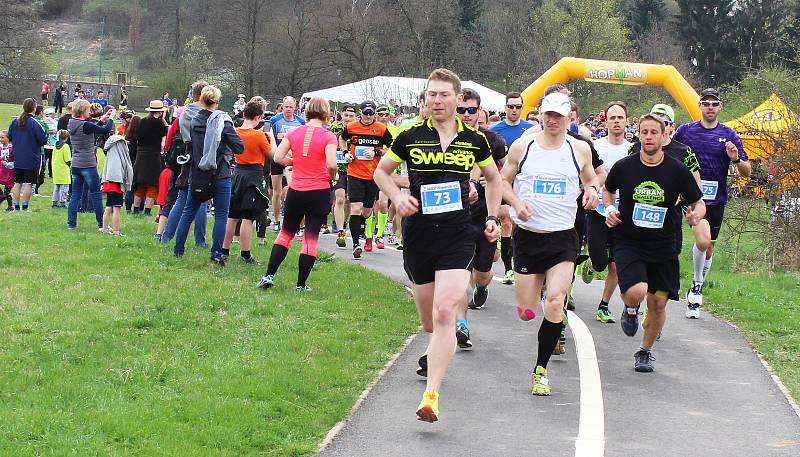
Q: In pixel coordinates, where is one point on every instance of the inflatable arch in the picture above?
(610, 72)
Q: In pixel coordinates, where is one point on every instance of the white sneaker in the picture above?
(692, 312)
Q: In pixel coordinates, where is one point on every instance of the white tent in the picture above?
(404, 91)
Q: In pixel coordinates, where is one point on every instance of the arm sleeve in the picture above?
(483, 157)
(691, 160)
(398, 152)
(345, 133)
(386, 140)
(91, 127)
(232, 139)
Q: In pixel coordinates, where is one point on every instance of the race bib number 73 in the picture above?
(441, 198)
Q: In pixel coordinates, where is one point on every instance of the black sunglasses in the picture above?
(710, 103)
(514, 106)
(465, 109)
(668, 122)
(368, 112)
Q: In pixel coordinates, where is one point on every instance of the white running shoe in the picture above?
(694, 300)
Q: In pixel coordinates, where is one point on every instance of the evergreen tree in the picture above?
(470, 12)
(763, 30)
(639, 15)
(709, 31)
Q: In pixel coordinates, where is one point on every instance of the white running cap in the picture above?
(556, 103)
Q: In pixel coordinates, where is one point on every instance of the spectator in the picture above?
(117, 178)
(148, 165)
(123, 100)
(82, 132)
(101, 99)
(62, 157)
(45, 92)
(248, 196)
(60, 98)
(6, 169)
(28, 137)
(131, 136)
(213, 139)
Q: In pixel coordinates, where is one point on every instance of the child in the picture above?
(116, 180)
(62, 158)
(6, 169)
(164, 180)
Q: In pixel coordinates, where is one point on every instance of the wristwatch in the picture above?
(493, 218)
(738, 159)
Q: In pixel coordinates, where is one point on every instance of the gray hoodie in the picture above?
(118, 166)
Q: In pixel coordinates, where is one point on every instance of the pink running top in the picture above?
(309, 167)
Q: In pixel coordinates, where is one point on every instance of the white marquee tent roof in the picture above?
(404, 91)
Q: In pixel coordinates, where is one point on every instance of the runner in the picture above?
(440, 153)
(546, 170)
(601, 246)
(282, 124)
(341, 205)
(716, 146)
(649, 184)
(367, 139)
(510, 128)
(311, 151)
(485, 251)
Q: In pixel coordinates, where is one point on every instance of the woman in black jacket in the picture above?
(148, 165)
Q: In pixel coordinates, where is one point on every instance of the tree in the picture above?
(640, 14)
(134, 30)
(763, 30)
(709, 31)
(21, 50)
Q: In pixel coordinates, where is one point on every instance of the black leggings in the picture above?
(601, 248)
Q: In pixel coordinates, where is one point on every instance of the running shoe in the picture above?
(540, 384)
(368, 245)
(390, 239)
(564, 318)
(479, 295)
(262, 241)
(604, 316)
(630, 320)
(341, 240)
(422, 370)
(250, 260)
(219, 260)
(379, 242)
(462, 337)
(570, 302)
(357, 252)
(643, 361)
(276, 228)
(692, 311)
(428, 409)
(302, 289)
(266, 282)
(400, 246)
(509, 277)
(561, 345)
(157, 237)
(326, 230)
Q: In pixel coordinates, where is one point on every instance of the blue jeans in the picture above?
(89, 177)
(222, 203)
(175, 217)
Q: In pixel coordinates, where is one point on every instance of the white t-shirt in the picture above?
(610, 153)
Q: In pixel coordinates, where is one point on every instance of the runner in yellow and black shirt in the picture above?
(438, 239)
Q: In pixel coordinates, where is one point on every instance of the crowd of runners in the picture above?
(548, 196)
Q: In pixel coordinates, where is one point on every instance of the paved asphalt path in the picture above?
(709, 394)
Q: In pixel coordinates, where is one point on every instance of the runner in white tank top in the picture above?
(545, 172)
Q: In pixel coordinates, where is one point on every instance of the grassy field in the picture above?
(111, 346)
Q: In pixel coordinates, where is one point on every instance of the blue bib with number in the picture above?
(441, 198)
(340, 157)
(710, 189)
(649, 216)
(361, 152)
(550, 187)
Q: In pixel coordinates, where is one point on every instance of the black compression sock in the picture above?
(505, 252)
(549, 333)
(603, 304)
(276, 257)
(245, 254)
(147, 211)
(355, 228)
(304, 265)
(226, 251)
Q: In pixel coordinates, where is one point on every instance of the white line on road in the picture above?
(591, 427)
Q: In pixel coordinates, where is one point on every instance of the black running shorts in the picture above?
(714, 216)
(535, 253)
(114, 200)
(362, 191)
(341, 181)
(634, 266)
(484, 249)
(24, 176)
(429, 248)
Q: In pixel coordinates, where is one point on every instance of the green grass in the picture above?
(111, 346)
(7, 112)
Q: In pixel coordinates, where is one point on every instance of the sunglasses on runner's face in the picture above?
(668, 122)
(368, 112)
(383, 113)
(467, 109)
(514, 106)
(710, 103)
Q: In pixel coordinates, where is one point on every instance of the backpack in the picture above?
(171, 157)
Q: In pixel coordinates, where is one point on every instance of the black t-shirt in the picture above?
(647, 198)
(499, 152)
(440, 180)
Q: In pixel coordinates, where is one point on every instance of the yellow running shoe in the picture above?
(541, 385)
(428, 409)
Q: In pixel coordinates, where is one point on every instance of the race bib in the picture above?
(550, 187)
(361, 152)
(601, 207)
(710, 189)
(649, 216)
(340, 157)
(284, 130)
(441, 198)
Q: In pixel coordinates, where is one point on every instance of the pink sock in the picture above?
(526, 314)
